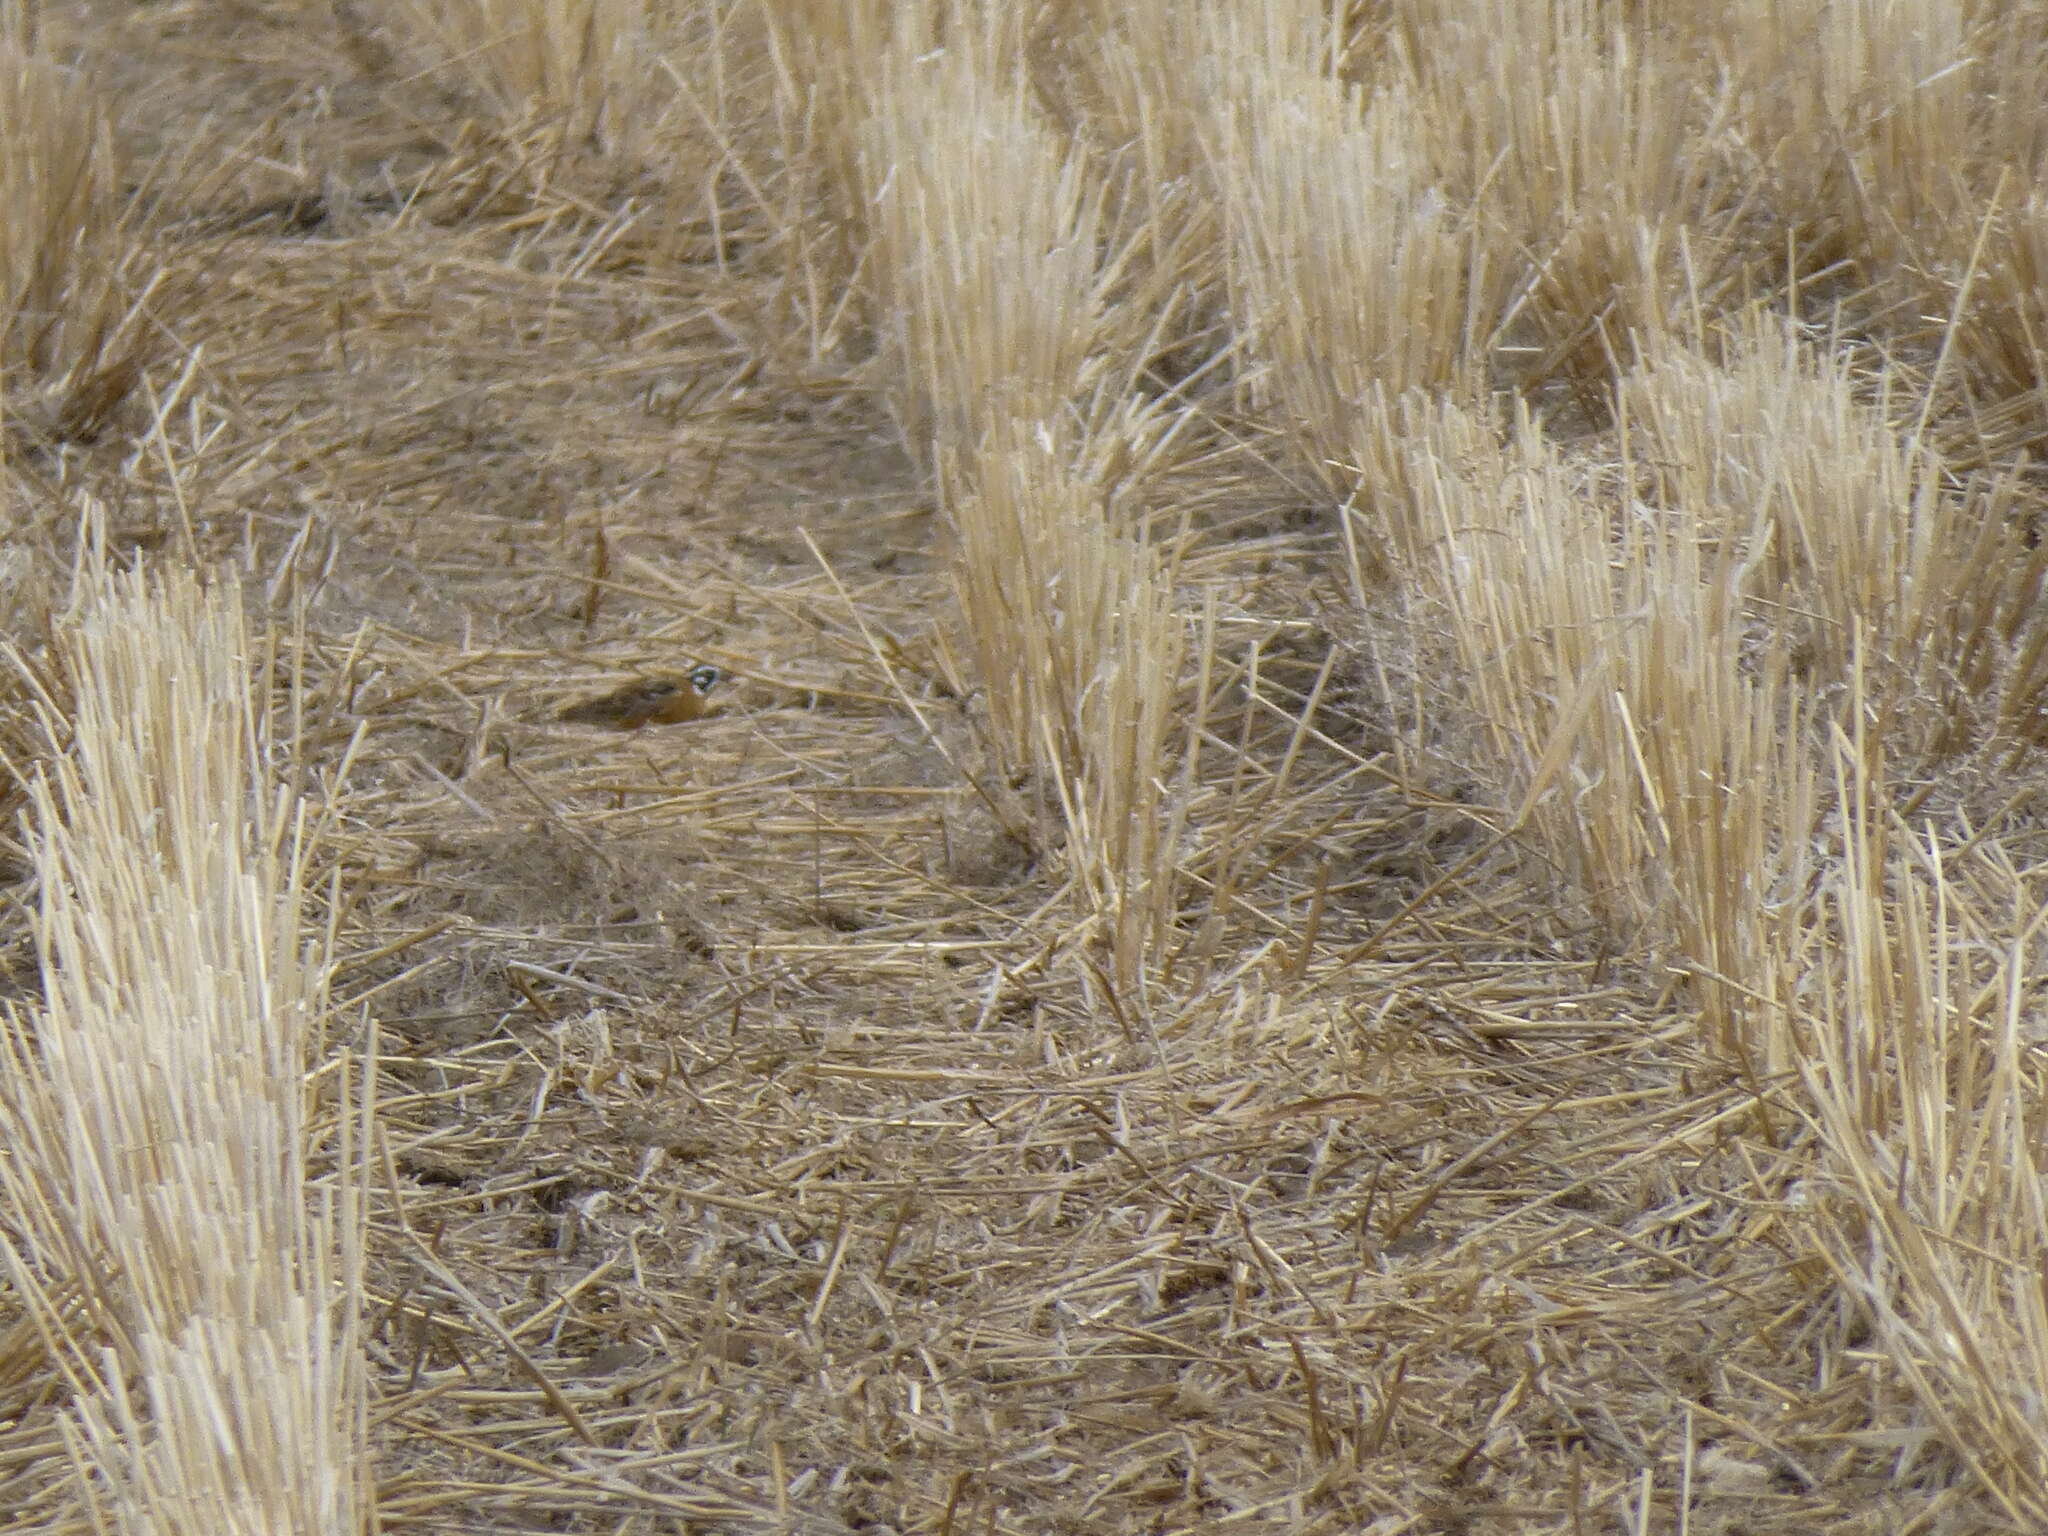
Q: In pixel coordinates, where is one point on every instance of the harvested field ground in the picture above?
(1473, 1116)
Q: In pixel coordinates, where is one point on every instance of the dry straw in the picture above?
(1588, 159)
(805, 172)
(1649, 674)
(1842, 526)
(1921, 1066)
(1571, 667)
(204, 1313)
(74, 284)
(989, 241)
(1681, 366)
(1867, 112)
(1351, 276)
(587, 68)
(1020, 319)
(1122, 87)
(585, 98)
(1080, 648)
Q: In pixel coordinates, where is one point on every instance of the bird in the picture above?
(650, 701)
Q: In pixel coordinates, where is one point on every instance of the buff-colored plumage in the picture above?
(651, 701)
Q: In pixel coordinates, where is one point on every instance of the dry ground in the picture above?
(756, 1156)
